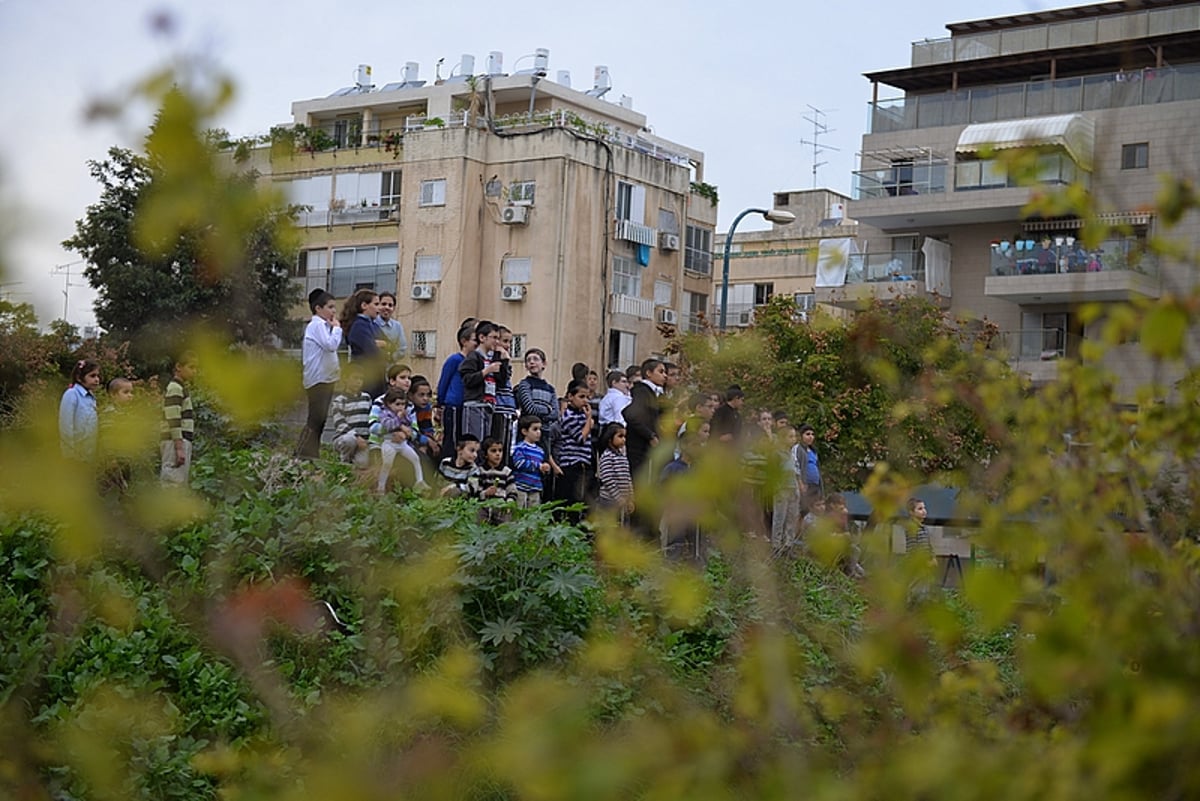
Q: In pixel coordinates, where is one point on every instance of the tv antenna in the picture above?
(817, 118)
(65, 270)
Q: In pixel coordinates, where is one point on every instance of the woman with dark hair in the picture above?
(322, 338)
(360, 332)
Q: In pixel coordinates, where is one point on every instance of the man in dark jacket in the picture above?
(727, 419)
(641, 416)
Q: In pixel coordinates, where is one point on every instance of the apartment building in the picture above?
(781, 260)
(510, 197)
(1106, 95)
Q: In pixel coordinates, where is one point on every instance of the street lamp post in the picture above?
(774, 215)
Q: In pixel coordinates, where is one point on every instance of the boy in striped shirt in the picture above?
(573, 446)
(179, 423)
(351, 413)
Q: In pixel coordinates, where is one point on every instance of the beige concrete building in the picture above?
(782, 260)
(1106, 95)
(513, 198)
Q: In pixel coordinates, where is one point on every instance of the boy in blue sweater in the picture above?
(529, 462)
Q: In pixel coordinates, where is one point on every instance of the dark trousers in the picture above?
(451, 425)
(319, 397)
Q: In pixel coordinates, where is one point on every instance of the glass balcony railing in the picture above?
(877, 267)
(1066, 254)
(1056, 169)
(1037, 98)
(901, 180)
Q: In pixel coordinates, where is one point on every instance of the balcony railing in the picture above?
(642, 308)
(343, 282)
(901, 180)
(1066, 254)
(1038, 344)
(631, 231)
(740, 315)
(876, 267)
(1037, 98)
(348, 215)
(342, 134)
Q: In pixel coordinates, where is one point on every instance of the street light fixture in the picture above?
(774, 215)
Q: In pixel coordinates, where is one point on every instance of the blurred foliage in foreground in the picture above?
(163, 645)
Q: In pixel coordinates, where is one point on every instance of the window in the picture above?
(805, 301)
(631, 202)
(1136, 156)
(627, 276)
(315, 261)
(389, 188)
(521, 192)
(695, 309)
(356, 189)
(697, 255)
(433, 193)
(622, 349)
(516, 270)
(781, 199)
(424, 343)
(428, 269)
(668, 223)
(368, 267)
(313, 194)
(663, 293)
(763, 294)
(517, 351)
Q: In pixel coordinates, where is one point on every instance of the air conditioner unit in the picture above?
(514, 215)
(745, 318)
(512, 292)
(422, 292)
(668, 241)
(668, 317)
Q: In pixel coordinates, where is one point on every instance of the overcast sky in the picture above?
(734, 80)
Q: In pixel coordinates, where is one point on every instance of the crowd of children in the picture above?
(487, 438)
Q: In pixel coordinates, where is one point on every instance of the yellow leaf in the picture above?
(1164, 329)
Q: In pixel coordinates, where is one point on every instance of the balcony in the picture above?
(740, 315)
(637, 233)
(1036, 351)
(641, 308)
(910, 191)
(1059, 269)
(878, 277)
(903, 178)
(1036, 98)
(357, 215)
(348, 215)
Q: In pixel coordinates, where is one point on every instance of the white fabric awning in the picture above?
(1075, 133)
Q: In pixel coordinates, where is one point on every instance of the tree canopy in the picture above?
(863, 383)
(177, 241)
